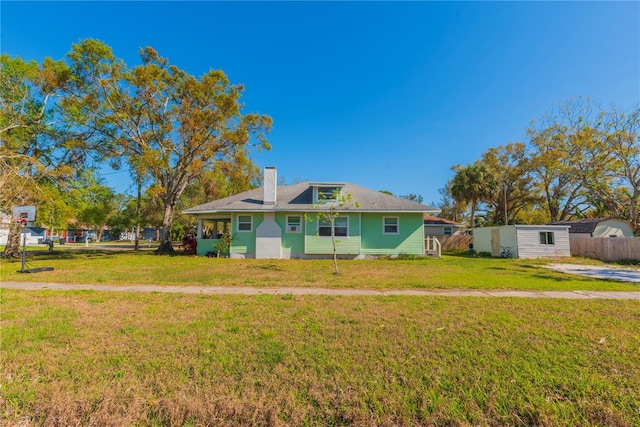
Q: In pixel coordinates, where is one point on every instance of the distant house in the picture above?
(29, 235)
(434, 226)
(282, 222)
(523, 241)
(80, 235)
(598, 227)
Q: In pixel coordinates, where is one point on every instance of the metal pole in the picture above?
(24, 247)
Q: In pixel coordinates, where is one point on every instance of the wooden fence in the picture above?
(457, 241)
(606, 248)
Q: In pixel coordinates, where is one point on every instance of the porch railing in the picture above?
(432, 246)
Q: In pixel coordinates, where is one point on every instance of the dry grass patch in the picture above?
(89, 358)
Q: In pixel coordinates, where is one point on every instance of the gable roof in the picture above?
(299, 197)
(434, 220)
(583, 225)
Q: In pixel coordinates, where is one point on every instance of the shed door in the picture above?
(495, 242)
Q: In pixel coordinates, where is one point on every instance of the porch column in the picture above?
(199, 232)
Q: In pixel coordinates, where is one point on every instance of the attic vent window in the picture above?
(328, 194)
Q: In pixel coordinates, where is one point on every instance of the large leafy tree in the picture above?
(509, 166)
(473, 184)
(36, 149)
(618, 190)
(565, 154)
(169, 125)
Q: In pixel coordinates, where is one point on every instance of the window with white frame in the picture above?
(547, 238)
(327, 194)
(447, 231)
(340, 227)
(294, 224)
(245, 223)
(390, 225)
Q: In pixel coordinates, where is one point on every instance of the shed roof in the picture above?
(299, 197)
(434, 220)
(583, 225)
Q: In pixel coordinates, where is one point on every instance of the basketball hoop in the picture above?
(24, 213)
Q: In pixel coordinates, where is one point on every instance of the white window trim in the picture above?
(553, 237)
(250, 223)
(334, 228)
(316, 194)
(397, 226)
(299, 225)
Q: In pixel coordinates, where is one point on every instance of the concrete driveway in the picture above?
(599, 272)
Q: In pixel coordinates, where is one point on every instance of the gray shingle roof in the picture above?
(433, 220)
(299, 197)
(582, 225)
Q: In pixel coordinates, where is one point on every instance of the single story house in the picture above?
(523, 241)
(282, 222)
(598, 227)
(434, 226)
(33, 235)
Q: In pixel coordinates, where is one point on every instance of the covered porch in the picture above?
(210, 231)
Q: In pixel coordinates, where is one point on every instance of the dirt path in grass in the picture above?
(221, 290)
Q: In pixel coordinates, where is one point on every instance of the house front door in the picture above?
(495, 242)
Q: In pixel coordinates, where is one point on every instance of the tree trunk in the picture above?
(335, 253)
(333, 240)
(167, 223)
(473, 214)
(12, 250)
(136, 245)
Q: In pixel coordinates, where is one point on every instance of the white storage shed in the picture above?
(523, 241)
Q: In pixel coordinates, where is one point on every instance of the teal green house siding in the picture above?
(205, 246)
(322, 245)
(244, 242)
(409, 240)
(292, 242)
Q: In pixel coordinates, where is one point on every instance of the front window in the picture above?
(546, 238)
(340, 227)
(447, 231)
(390, 225)
(245, 223)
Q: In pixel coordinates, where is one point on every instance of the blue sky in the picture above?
(388, 95)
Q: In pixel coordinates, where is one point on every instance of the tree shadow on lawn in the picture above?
(64, 255)
(270, 267)
(561, 278)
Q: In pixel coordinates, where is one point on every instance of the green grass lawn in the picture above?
(449, 272)
(92, 358)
